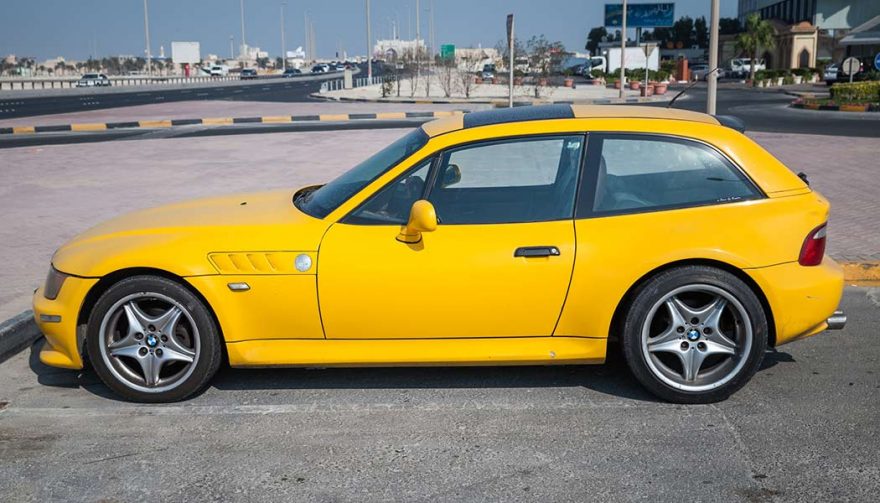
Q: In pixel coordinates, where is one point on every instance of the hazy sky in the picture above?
(76, 29)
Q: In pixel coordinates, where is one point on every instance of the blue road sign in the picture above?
(640, 15)
(877, 61)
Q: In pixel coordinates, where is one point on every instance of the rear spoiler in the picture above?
(732, 122)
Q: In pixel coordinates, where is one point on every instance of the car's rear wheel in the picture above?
(152, 340)
(694, 334)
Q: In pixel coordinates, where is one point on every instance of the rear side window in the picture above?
(645, 173)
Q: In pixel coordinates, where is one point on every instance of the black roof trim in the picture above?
(732, 122)
(517, 114)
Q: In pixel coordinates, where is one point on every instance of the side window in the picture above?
(638, 172)
(391, 204)
(519, 180)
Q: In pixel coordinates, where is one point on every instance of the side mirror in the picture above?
(451, 175)
(422, 218)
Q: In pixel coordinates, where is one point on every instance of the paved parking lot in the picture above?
(807, 428)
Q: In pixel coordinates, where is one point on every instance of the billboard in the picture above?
(640, 15)
(185, 52)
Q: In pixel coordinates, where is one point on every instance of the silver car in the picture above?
(93, 80)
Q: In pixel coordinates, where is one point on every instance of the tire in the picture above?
(694, 334)
(152, 340)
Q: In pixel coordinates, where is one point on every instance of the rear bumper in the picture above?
(804, 300)
(57, 320)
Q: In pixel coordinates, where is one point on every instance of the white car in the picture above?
(740, 67)
(93, 80)
(219, 71)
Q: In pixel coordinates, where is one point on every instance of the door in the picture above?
(498, 264)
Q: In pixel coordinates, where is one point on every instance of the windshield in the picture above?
(319, 203)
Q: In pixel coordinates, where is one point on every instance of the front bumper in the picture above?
(57, 320)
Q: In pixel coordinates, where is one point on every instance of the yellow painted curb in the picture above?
(333, 117)
(861, 271)
(217, 121)
(853, 108)
(391, 115)
(22, 130)
(154, 124)
(276, 119)
(88, 127)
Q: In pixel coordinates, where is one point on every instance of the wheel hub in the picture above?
(693, 334)
(152, 341)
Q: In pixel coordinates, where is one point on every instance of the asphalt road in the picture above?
(807, 428)
(769, 111)
(78, 100)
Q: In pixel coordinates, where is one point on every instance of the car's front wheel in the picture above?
(150, 339)
(694, 334)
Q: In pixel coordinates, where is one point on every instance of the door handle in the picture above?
(536, 251)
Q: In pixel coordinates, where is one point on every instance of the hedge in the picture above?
(857, 91)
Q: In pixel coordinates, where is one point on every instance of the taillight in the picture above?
(814, 247)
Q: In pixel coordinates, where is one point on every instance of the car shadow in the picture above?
(612, 378)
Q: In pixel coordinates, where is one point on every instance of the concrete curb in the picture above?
(494, 101)
(799, 103)
(16, 334)
(861, 271)
(223, 121)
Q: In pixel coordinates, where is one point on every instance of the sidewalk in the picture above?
(492, 93)
(48, 194)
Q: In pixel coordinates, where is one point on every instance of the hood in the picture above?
(178, 237)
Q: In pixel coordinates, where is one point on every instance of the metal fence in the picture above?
(22, 84)
(339, 84)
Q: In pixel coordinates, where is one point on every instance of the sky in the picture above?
(77, 29)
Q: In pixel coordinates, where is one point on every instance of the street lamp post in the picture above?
(623, 51)
(712, 77)
(243, 43)
(369, 46)
(147, 37)
(283, 49)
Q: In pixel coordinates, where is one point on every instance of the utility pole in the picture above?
(418, 51)
(231, 46)
(283, 49)
(623, 52)
(369, 46)
(511, 46)
(147, 37)
(306, 35)
(433, 41)
(243, 43)
(712, 77)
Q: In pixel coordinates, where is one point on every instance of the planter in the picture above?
(569, 82)
(660, 88)
(542, 82)
(517, 81)
(492, 80)
(616, 84)
(647, 91)
(634, 85)
(779, 80)
(597, 82)
(478, 80)
(798, 79)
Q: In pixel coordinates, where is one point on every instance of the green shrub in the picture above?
(787, 79)
(861, 92)
(761, 75)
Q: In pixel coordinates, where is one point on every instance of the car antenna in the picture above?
(688, 88)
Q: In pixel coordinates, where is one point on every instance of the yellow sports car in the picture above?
(518, 236)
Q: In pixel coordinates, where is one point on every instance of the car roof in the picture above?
(561, 111)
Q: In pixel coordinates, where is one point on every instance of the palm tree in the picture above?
(758, 34)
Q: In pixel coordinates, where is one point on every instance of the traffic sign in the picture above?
(877, 61)
(850, 66)
(447, 51)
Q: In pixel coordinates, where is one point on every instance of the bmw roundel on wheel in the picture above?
(524, 236)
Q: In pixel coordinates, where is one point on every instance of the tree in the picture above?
(279, 62)
(683, 31)
(729, 26)
(595, 36)
(701, 33)
(758, 34)
(262, 62)
(446, 76)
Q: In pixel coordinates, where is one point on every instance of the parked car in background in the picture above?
(322, 68)
(218, 70)
(248, 74)
(699, 72)
(291, 72)
(831, 73)
(339, 67)
(488, 72)
(93, 80)
(740, 67)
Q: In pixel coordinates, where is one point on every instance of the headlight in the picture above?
(54, 280)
